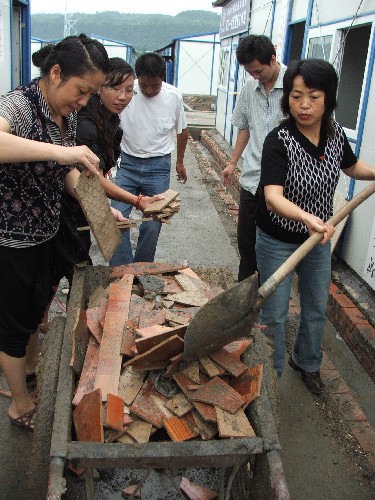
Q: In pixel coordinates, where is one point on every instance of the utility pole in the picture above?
(70, 22)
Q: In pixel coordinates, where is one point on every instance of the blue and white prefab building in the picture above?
(14, 43)
(193, 63)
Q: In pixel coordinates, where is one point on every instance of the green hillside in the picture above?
(146, 32)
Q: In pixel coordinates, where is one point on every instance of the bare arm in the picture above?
(361, 171)
(241, 143)
(181, 147)
(276, 202)
(15, 149)
(116, 193)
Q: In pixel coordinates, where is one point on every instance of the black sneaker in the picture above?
(312, 380)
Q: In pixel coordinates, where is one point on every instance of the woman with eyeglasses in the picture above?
(97, 128)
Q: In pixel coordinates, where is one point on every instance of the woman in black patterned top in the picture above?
(37, 151)
(301, 164)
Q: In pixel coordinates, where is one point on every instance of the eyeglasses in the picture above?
(119, 91)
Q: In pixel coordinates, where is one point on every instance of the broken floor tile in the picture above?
(114, 419)
(88, 418)
(218, 393)
(146, 408)
(140, 431)
(131, 491)
(196, 298)
(238, 347)
(249, 384)
(181, 428)
(130, 384)
(228, 361)
(207, 412)
(87, 378)
(233, 425)
(93, 323)
(138, 268)
(154, 317)
(194, 491)
(161, 352)
(146, 343)
(179, 405)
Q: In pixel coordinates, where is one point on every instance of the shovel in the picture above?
(230, 315)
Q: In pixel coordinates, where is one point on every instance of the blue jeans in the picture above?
(314, 275)
(148, 176)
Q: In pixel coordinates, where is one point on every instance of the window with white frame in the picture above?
(320, 47)
(224, 66)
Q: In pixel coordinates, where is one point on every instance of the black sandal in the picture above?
(26, 420)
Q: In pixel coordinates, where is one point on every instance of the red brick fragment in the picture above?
(228, 361)
(181, 428)
(114, 413)
(219, 393)
(131, 491)
(88, 418)
(194, 491)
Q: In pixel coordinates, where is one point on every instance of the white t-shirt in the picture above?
(148, 122)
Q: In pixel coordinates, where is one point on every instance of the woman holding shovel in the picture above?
(37, 151)
(301, 164)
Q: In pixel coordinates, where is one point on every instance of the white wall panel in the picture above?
(198, 65)
(329, 11)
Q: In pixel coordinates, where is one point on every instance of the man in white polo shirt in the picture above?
(148, 125)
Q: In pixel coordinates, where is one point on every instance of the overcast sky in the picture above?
(171, 7)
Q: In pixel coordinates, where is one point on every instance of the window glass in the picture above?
(320, 47)
(224, 66)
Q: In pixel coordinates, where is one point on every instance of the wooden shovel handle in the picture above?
(291, 263)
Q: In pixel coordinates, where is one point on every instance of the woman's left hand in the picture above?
(118, 215)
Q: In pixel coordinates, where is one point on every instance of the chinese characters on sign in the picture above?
(234, 18)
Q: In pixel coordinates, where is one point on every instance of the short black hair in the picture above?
(150, 64)
(317, 74)
(76, 56)
(255, 47)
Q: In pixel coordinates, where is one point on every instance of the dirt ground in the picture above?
(200, 102)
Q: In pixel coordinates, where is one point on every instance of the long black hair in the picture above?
(108, 125)
(317, 74)
(76, 56)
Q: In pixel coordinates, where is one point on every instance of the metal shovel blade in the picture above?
(226, 317)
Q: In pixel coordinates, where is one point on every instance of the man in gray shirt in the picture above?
(257, 112)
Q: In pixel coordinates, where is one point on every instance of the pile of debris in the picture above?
(134, 386)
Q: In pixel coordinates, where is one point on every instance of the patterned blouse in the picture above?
(309, 175)
(30, 192)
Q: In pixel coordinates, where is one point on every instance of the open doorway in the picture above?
(295, 42)
(351, 67)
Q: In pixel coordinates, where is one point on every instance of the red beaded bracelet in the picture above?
(137, 203)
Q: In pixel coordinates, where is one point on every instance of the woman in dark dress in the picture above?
(97, 128)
